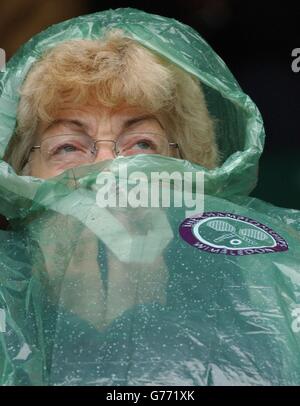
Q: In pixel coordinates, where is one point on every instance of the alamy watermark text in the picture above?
(296, 62)
(2, 60)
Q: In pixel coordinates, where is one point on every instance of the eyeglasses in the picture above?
(70, 150)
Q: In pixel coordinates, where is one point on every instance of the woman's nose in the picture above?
(104, 150)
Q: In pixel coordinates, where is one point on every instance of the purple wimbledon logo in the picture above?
(230, 234)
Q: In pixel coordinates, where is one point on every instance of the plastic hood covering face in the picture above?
(92, 295)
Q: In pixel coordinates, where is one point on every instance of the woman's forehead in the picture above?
(96, 110)
(89, 118)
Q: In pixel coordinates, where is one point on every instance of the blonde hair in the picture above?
(114, 70)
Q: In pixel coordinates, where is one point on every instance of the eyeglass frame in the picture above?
(116, 153)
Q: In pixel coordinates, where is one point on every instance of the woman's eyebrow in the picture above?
(67, 123)
(137, 120)
(131, 122)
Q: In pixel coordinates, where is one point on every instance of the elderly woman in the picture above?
(86, 101)
(139, 294)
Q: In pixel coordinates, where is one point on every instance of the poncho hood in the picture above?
(240, 132)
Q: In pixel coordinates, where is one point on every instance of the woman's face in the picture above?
(64, 141)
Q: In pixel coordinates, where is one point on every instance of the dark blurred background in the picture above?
(254, 38)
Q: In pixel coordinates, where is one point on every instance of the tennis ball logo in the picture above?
(231, 234)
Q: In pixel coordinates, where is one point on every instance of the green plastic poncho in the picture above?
(91, 295)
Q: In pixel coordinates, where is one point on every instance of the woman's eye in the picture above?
(66, 148)
(143, 145)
